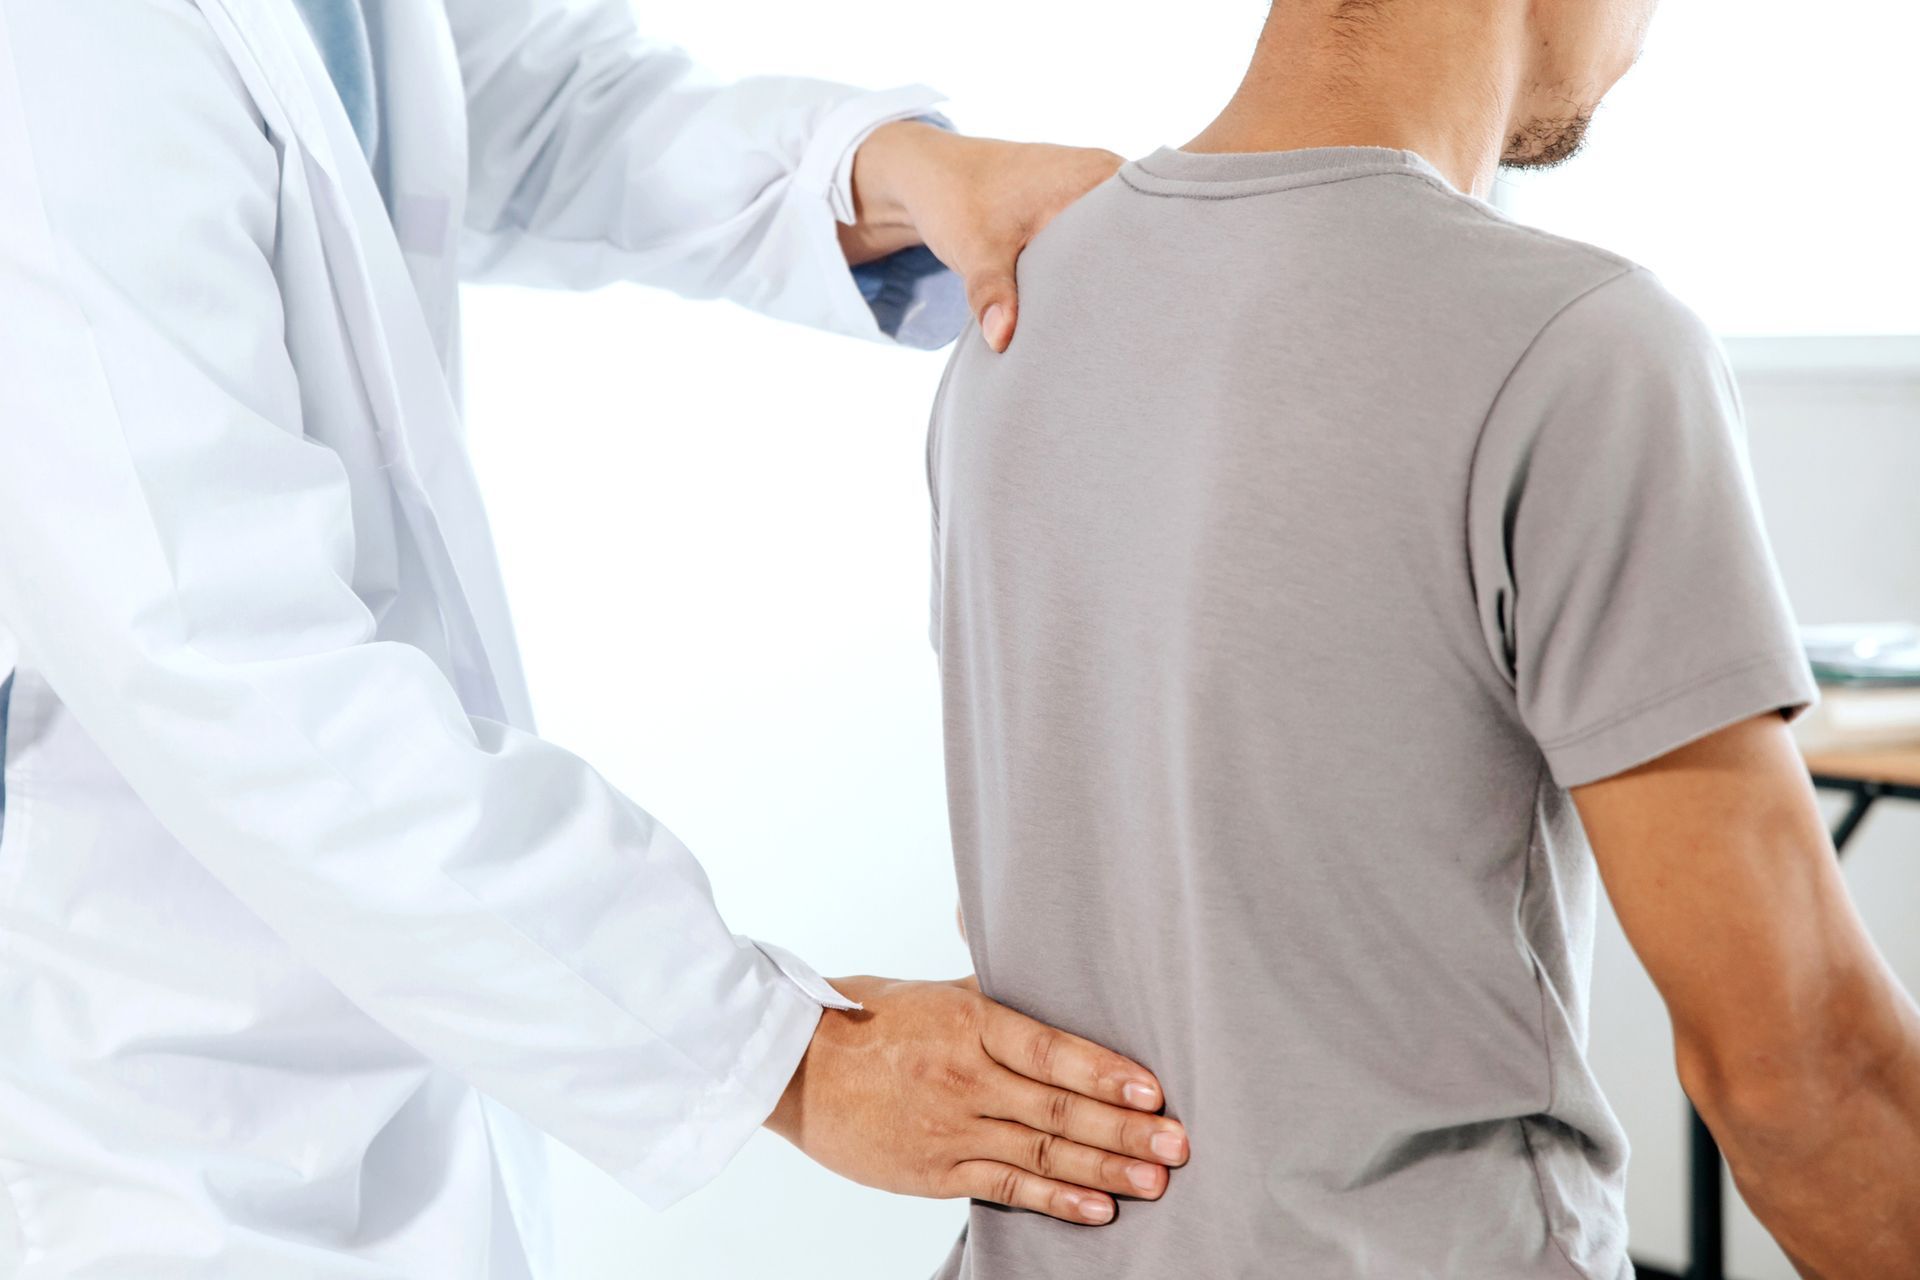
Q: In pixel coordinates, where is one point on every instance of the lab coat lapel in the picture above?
(406, 383)
(422, 160)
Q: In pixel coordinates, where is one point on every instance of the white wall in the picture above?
(715, 534)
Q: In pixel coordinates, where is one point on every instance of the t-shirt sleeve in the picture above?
(1623, 578)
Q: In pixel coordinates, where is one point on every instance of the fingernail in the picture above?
(1169, 1145)
(993, 324)
(1143, 1096)
(1144, 1177)
(1094, 1210)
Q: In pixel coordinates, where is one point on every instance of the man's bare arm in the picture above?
(1792, 1036)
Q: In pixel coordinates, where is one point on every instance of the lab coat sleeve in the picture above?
(176, 559)
(597, 156)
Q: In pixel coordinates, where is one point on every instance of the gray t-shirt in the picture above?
(1320, 528)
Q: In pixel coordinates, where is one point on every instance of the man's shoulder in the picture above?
(1441, 255)
(1526, 269)
(1632, 311)
(1491, 229)
(1583, 296)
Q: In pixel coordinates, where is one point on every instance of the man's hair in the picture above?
(1354, 17)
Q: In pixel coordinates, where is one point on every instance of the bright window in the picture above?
(1760, 158)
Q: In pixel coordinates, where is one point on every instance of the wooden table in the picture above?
(1867, 778)
(1898, 769)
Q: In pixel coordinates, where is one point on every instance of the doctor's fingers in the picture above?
(1063, 1160)
(994, 297)
(1018, 189)
(1006, 1184)
(1080, 1119)
(1050, 1056)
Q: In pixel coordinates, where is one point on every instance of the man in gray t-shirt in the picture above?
(1324, 537)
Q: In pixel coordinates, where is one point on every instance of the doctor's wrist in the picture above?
(896, 161)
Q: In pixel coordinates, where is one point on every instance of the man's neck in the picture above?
(1437, 79)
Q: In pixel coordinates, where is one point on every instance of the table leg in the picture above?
(1850, 820)
(1707, 1226)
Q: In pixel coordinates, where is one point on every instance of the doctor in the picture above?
(300, 922)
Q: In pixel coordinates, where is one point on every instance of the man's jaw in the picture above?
(1548, 142)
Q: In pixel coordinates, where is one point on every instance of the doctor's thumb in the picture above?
(996, 306)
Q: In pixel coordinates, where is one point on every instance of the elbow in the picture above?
(1772, 1083)
(1757, 1100)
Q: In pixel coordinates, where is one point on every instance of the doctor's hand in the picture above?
(975, 202)
(934, 1090)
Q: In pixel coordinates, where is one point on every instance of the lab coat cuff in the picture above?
(803, 976)
(914, 298)
(909, 298)
(827, 166)
(718, 1123)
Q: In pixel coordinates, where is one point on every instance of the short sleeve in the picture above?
(1623, 578)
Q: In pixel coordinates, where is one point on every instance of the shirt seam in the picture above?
(1480, 439)
(1279, 185)
(937, 552)
(1669, 694)
(1540, 1183)
(1535, 846)
(1488, 214)
(1378, 170)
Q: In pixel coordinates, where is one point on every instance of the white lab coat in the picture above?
(288, 885)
